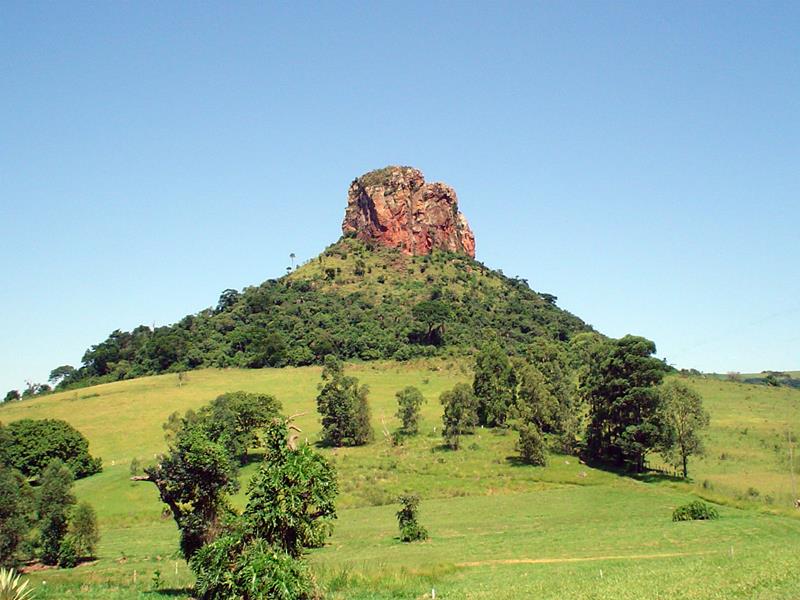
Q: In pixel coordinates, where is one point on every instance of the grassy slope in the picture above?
(498, 530)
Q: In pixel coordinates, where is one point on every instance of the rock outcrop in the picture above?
(395, 207)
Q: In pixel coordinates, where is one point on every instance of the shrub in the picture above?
(410, 529)
(531, 446)
(695, 511)
(68, 553)
(409, 401)
(83, 533)
(34, 443)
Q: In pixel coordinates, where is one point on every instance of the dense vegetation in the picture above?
(29, 445)
(353, 301)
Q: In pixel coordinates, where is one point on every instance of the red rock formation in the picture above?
(395, 207)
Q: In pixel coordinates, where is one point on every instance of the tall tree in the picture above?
(15, 509)
(460, 413)
(434, 314)
(193, 480)
(35, 442)
(685, 419)
(626, 420)
(53, 503)
(494, 385)
(409, 401)
(342, 404)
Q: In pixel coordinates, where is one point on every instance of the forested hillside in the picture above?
(356, 301)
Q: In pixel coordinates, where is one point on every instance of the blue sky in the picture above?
(637, 159)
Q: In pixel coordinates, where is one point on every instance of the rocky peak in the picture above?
(395, 207)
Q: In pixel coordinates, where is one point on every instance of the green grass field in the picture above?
(498, 530)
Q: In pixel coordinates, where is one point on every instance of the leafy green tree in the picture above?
(83, 533)
(193, 480)
(408, 519)
(342, 404)
(409, 402)
(61, 374)
(53, 503)
(434, 314)
(35, 442)
(626, 419)
(531, 445)
(235, 419)
(460, 413)
(290, 507)
(12, 396)
(227, 299)
(685, 419)
(494, 385)
(15, 509)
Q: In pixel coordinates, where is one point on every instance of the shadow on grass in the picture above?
(516, 461)
(171, 593)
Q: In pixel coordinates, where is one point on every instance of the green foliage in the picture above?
(136, 467)
(460, 413)
(695, 511)
(626, 420)
(235, 419)
(15, 508)
(408, 519)
(83, 531)
(12, 396)
(323, 308)
(12, 587)
(34, 443)
(409, 402)
(291, 497)
(342, 405)
(684, 417)
(291, 501)
(433, 314)
(238, 566)
(61, 374)
(193, 479)
(494, 385)
(68, 556)
(531, 445)
(53, 503)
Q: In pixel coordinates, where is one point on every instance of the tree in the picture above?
(460, 413)
(626, 420)
(227, 299)
(35, 442)
(53, 503)
(685, 418)
(15, 508)
(409, 401)
(291, 505)
(433, 314)
(193, 480)
(61, 374)
(408, 519)
(531, 446)
(83, 532)
(342, 404)
(235, 419)
(11, 396)
(494, 385)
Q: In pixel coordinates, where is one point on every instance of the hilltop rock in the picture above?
(395, 207)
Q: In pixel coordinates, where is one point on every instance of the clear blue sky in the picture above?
(640, 160)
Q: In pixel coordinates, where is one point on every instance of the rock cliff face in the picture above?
(395, 207)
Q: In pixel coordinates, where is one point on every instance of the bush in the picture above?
(34, 443)
(695, 511)
(68, 553)
(531, 446)
(410, 529)
(83, 533)
(409, 401)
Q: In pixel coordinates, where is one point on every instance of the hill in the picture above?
(562, 531)
(402, 283)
